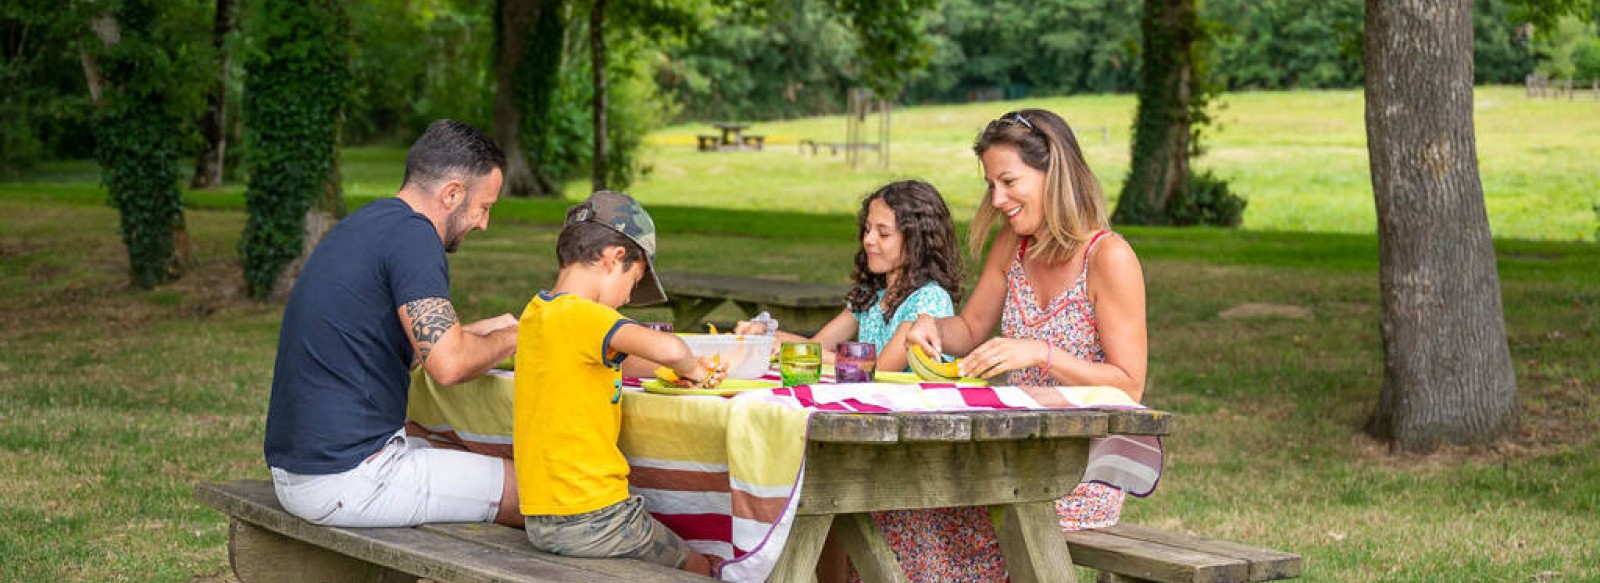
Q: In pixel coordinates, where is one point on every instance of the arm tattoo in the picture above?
(430, 319)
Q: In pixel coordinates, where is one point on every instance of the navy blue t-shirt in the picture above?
(343, 372)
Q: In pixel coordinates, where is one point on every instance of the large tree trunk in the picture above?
(1160, 167)
(597, 57)
(515, 21)
(214, 124)
(1447, 370)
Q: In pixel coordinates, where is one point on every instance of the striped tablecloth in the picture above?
(725, 473)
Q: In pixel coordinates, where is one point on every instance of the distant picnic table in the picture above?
(731, 138)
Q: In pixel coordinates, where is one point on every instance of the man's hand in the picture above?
(487, 326)
(450, 351)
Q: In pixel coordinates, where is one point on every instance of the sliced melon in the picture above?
(931, 369)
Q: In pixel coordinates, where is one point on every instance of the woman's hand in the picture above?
(924, 332)
(750, 328)
(1001, 355)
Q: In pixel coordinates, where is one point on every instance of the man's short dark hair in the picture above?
(449, 150)
(584, 241)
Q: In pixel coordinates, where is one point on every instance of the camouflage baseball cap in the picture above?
(622, 213)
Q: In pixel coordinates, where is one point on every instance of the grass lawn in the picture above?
(113, 403)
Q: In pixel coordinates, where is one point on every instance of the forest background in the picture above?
(414, 61)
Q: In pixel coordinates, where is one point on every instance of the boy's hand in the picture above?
(713, 372)
(710, 372)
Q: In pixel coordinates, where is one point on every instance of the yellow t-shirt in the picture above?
(567, 415)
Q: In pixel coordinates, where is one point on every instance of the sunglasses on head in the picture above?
(1014, 118)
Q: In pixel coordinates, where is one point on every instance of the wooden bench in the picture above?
(1132, 553)
(797, 306)
(753, 142)
(708, 143)
(266, 544)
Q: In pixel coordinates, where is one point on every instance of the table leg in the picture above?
(799, 561)
(1030, 539)
(869, 552)
(687, 311)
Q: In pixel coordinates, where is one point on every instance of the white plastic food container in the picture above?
(746, 355)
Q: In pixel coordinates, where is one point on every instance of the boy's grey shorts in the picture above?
(622, 530)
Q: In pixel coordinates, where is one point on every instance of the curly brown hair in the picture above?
(930, 252)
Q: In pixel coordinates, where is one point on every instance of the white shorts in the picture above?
(405, 484)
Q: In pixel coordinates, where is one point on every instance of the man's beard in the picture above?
(454, 231)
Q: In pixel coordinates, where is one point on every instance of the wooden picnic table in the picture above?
(732, 133)
(1019, 461)
(800, 307)
(732, 138)
(1015, 460)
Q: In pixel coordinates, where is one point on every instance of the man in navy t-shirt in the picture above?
(372, 302)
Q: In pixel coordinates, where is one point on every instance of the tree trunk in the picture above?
(1160, 167)
(515, 21)
(597, 56)
(1447, 369)
(214, 124)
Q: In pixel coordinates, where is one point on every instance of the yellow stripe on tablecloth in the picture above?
(666, 427)
(767, 443)
(481, 406)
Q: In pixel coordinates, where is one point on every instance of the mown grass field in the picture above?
(113, 403)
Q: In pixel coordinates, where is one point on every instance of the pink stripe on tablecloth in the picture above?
(718, 527)
(981, 397)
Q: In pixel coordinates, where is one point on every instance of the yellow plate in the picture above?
(728, 387)
(911, 378)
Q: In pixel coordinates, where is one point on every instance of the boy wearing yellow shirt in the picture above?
(572, 347)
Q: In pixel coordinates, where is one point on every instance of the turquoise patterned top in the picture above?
(929, 299)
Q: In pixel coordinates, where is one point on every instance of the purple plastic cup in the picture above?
(855, 362)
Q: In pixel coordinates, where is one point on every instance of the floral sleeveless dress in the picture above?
(936, 544)
(1067, 321)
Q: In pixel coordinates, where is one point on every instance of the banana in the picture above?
(931, 369)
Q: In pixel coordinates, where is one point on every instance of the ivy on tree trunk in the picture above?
(293, 104)
(527, 67)
(138, 136)
(1160, 167)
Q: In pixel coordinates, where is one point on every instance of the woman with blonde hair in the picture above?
(1067, 292)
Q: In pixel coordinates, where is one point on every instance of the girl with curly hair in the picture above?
(909, 263)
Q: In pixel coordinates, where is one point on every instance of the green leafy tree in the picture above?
(1500, 53)
(414, 62)
(761, 64)
(298, 75)
(44, 110)
(1073, 46)
(1286, 44)
(139, 78)
(1561, 47)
